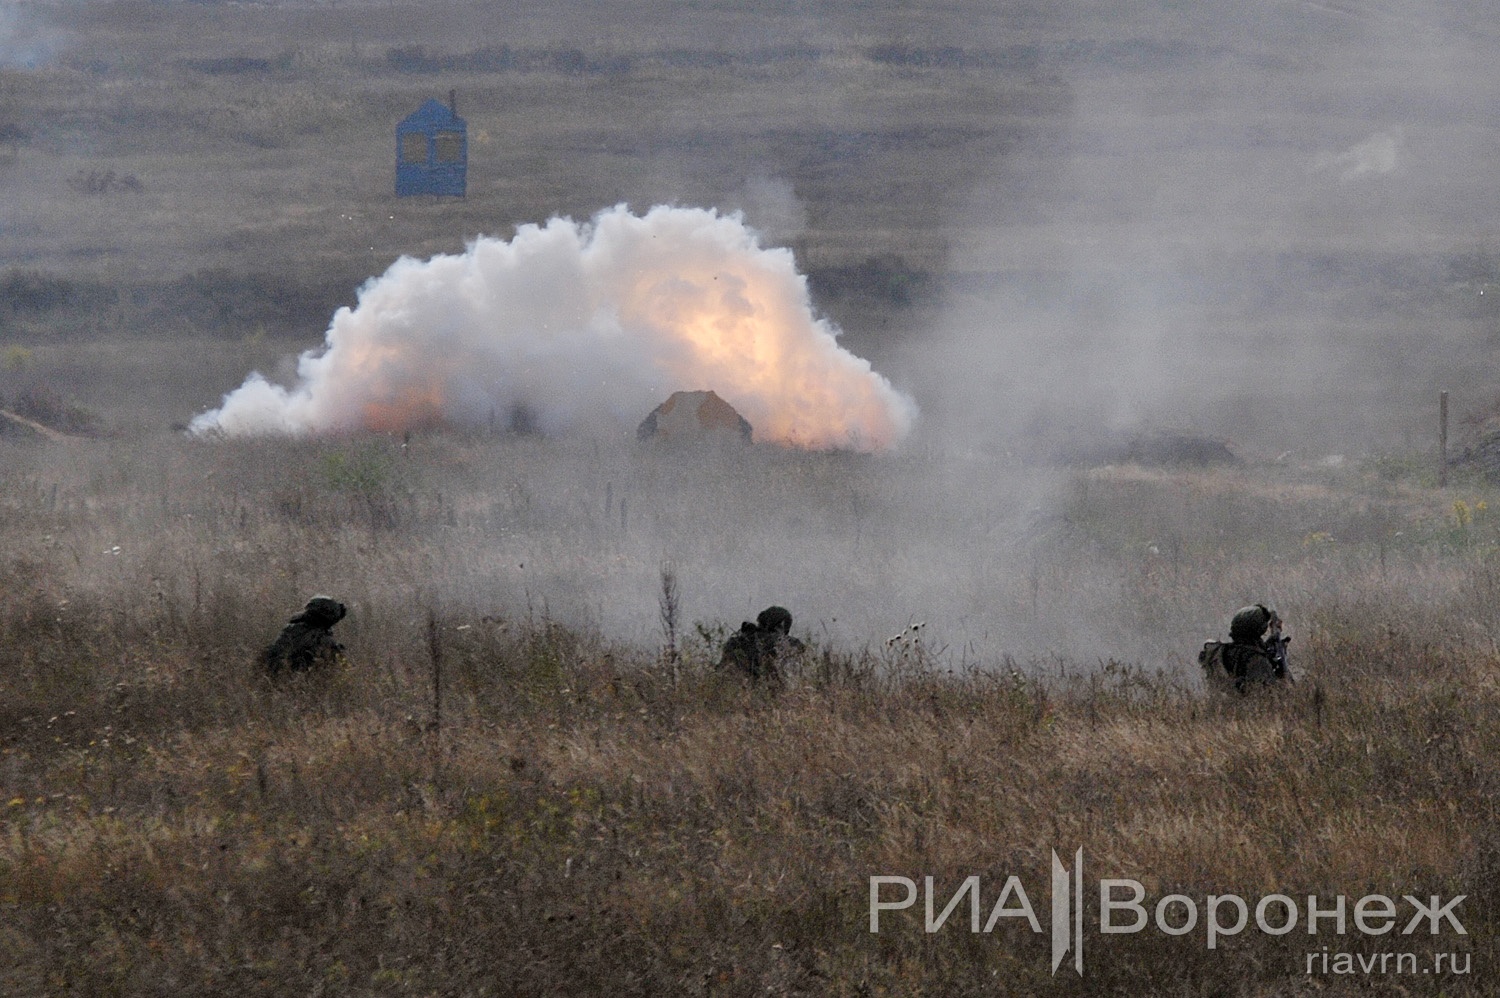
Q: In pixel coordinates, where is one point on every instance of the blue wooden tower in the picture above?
(432, 151)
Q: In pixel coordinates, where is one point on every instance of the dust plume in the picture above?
(573, 327)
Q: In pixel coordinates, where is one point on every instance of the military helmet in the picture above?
(1249, 623)
(775, 618)
(321, 611)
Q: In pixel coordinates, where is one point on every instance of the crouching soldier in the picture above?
(307, 639)
(755, 650)
(1254, 657)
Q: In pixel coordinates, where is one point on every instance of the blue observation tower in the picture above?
(432, 151)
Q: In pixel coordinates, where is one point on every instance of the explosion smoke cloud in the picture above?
(584, 327)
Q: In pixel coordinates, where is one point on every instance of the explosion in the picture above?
(583, 327)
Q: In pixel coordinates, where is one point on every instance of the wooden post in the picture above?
(1442, 440)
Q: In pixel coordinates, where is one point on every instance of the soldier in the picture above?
(755, 649)
(1255, 655)
(307, 639)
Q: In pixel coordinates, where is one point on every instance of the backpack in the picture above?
(1231, 667)
(1215, 669)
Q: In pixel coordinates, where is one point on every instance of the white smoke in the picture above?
(583, 327)
(1376, 155)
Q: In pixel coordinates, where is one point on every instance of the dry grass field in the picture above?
(495, 796)
(1054, 224)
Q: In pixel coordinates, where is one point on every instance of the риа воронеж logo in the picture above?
(1175, 914)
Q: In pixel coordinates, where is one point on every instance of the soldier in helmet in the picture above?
(1255, 655)
(754, 650)
(307, 639)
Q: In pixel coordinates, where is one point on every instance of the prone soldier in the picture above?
(307, 639)
(756, 648)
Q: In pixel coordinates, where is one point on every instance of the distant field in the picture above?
(1153, 195)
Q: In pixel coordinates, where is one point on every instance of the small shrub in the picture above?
(47, 406)
(367, 478)
(17, 358)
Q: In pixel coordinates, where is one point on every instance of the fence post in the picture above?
(1442, 440)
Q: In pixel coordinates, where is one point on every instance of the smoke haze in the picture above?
(1380, 153)
(1267, 230)
(25, 42)
(1051, 226)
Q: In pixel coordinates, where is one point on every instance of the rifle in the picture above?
(1275, 645)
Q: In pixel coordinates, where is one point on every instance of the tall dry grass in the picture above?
(592, 816)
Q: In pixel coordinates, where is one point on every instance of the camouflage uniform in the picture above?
(1251, 658)
(754, 650)
(307, 639)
